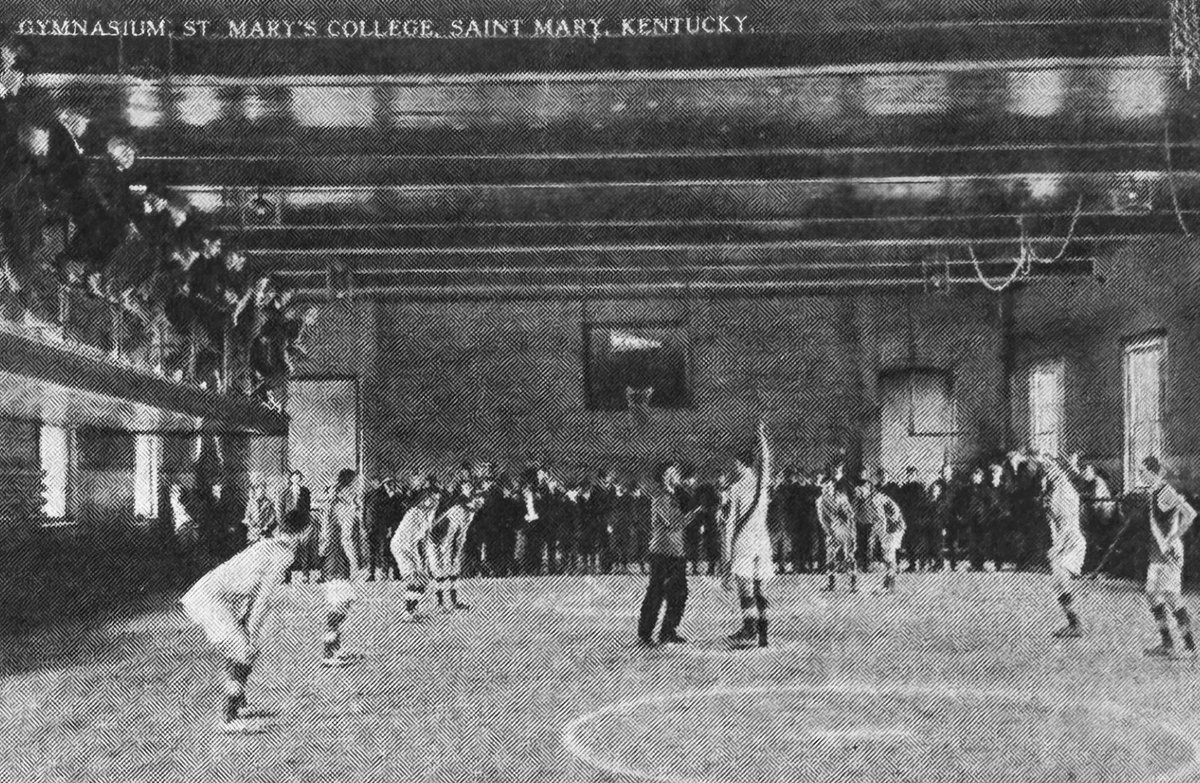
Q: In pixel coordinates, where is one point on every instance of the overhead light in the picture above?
(1035, 93)
(1137, 92)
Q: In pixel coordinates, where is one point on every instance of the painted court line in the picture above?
(578, 748)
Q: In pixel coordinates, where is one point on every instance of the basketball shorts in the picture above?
(220, 624)
(889, 543)
(1165, 578)
(840, 545)
(339, 593)
(409, 562)
(753, 557)
(1067, 560)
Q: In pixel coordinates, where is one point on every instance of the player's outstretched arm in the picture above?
(764, 448)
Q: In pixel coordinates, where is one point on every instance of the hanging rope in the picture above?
(1027, 255)
(1171, 176)
(1185, 38)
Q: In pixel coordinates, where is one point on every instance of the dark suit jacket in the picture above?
(300, 505)
(68, 167)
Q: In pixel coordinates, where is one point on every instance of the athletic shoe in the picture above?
(748, 633)
(241, 726)
(413, 617)
(1068, 632)
(646, 641)
(462, 607)
(671, 638)
(1161, 651)
(1183, 654)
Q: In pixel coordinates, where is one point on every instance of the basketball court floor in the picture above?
(954, 679)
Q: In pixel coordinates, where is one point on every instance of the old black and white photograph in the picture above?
(599, 391)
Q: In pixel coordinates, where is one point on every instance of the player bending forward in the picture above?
(445, 545)
(1068, 547)
(230, 604)
(887, 528)
(407, 544)
(836, 517)
(1170, 518)
(748, 552)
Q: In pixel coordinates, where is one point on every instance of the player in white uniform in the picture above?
(1170, 517)
(407, 545)
(887, 529)
(230, 604)
(445, 546)
(836, 517)
(748, 553)
(1068, 547)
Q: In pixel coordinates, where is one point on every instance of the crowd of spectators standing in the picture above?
(979, 517)
(77, 217)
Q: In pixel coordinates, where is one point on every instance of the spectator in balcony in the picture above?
(26, 251)
(104, 212)
(13, 75)
(67, 163)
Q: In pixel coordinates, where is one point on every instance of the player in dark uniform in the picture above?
(1170, 518)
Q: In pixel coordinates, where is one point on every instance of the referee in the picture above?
(668, 564)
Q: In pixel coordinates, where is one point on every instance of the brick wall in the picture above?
(1149, 286)
(498, 380)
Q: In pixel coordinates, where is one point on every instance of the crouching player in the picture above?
(408, 544)
(1170, 518)
(445, 545)
(230, 603)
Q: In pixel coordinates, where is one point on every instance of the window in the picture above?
(917, 420)
(1046, 407)
(54, 448)
(1144, 359)
(146, 471)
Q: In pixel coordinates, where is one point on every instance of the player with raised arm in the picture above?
(231, 602)
(748, 552)
(1170, 517)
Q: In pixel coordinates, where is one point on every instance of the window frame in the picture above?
(1143, 342)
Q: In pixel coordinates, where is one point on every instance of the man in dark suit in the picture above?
(387, 505)
(296, 501)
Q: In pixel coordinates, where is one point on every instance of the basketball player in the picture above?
(1068, 548)
(231, 602)
(1170, 518)
(408, 543)
(748, 554)
(338, 552)
(887, 530)
(837, 519)
(445, 545)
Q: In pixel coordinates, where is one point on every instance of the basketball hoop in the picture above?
(637, 401)
(1185, 38)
